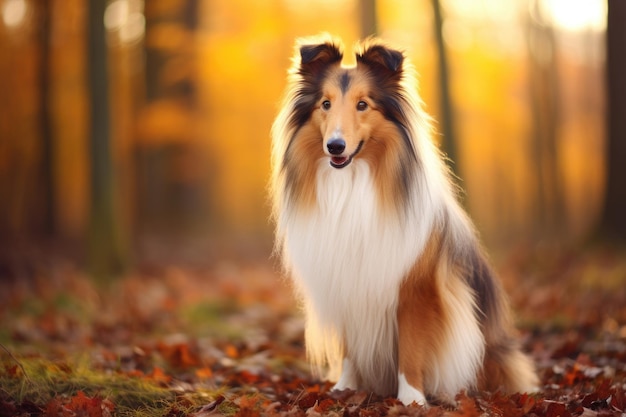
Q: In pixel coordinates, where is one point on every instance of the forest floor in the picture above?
(226, 339)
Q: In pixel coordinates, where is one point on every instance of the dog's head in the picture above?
(354, 109)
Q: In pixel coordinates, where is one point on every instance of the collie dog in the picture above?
(398, 296)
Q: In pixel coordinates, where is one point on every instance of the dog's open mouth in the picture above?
(344, 161)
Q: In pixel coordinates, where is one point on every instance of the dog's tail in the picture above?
(505, 367)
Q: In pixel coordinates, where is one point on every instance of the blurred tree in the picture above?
(23, 174)
(448, 142)
(369, 21)
(170, 194)
(47, 166)
(613, 221)
(107, 250)
(545, 107)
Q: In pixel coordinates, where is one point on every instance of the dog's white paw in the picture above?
(408, 394)
(347, 380)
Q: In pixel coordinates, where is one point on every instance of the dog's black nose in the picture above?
(336, 146)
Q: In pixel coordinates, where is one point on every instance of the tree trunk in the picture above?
(106, 254)
(448, 142)
(613, 221)
(369, 24)
(164, 202)
(47, 165)
(549, 207)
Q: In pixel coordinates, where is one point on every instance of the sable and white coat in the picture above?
(398, 296)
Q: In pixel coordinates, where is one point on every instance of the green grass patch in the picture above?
(208, 319)
(39, 380)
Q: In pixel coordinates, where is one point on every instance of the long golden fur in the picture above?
(398, 295)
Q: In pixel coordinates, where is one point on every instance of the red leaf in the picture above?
(13, 371)
(248, 406)
(248, 377)
(204, 373)
(159, 376)
(324, 405)
(231, 351)
(467, 407)
(81, 405)
(556, 409)
(179, 355)
(308, 400)
(54, 408)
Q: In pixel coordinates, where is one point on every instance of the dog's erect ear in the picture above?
(317, 57)
(324, 53)
(380, 57)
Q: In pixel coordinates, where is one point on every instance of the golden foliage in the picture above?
(213, 86)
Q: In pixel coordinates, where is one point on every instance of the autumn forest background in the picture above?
(134, 160)
(191, 87)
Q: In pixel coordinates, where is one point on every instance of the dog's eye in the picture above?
(326, 104)
(361, 106)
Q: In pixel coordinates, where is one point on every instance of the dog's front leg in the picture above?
(419, 314)
(410, 360)
(348, 379)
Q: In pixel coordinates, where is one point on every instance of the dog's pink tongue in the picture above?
(338, 160)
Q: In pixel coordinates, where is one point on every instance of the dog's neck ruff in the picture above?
(349, 258)
(346, 240)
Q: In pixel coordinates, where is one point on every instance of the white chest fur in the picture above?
(348, 261)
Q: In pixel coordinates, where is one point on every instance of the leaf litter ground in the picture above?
(226, 339)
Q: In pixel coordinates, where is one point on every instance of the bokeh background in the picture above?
(165, 151)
